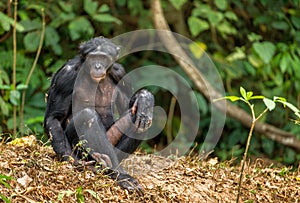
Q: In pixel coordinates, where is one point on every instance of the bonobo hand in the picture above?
(142, 110)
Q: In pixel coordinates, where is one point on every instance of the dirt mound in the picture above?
(29, 172)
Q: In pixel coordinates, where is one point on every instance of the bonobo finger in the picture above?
(142, 125)
(137, 122)
(84, 163)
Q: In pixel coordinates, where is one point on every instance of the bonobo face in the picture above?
(99, 60)
(97, 64)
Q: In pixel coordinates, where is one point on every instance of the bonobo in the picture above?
(80, 111)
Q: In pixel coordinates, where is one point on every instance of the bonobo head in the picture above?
(98, 54)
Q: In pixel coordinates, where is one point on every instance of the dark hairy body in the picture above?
(79, 112)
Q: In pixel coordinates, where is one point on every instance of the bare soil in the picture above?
(37, 176)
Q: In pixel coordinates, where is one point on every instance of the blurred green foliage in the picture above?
(254, 44)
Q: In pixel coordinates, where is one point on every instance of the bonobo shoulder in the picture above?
(66, 76)
(117, 72)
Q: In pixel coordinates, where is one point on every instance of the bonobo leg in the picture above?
(86, 126)
(126, 146)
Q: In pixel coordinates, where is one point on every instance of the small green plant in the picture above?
(248, 97)
(3, 181)
(79, 194)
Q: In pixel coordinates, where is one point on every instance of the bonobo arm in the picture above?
(59, 107)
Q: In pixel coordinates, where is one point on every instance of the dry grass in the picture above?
(38, 177)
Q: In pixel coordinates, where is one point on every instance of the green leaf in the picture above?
(103, 8)
(79, 195)
(243, 93)
(67, 7)
(121, 2)
(94, 194)
(290, 106)
(214, 18)
(80, 27)
(280, 25)
(197, 25)
(52, 39)
(265, 50)
(30, 25)
(231, 98)
(14, 97)
(4, 107)
(279, 99)
(270, 104)
(21, 87)
(249, 95)
(6, 22)
(254, 37)
(90, 7)
(106, 18)
(4, 87)
(296, 21)
(255, 60)
(238, 54)
(284, 62)
(226, 28)
(5, 199)
(31, 41)
(231, 16)
(221, 4)
(257, 97)
(177, 3)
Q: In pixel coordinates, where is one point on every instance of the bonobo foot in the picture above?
(127, 182)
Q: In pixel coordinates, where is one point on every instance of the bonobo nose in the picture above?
(98, 66)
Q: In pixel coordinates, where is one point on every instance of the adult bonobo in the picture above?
(80, 104)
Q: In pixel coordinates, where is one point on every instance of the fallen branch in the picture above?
(208, 91)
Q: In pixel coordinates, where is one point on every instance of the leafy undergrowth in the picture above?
(38, 177)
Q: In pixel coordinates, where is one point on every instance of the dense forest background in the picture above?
(253, 43)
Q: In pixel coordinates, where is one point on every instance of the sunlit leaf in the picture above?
(249, 95)
(257, 97)
(243, 93)
(198, 48)
(270, 104)
(231, 98)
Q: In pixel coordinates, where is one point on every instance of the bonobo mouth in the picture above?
(98, 78)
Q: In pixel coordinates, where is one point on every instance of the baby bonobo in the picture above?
(80, 112)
